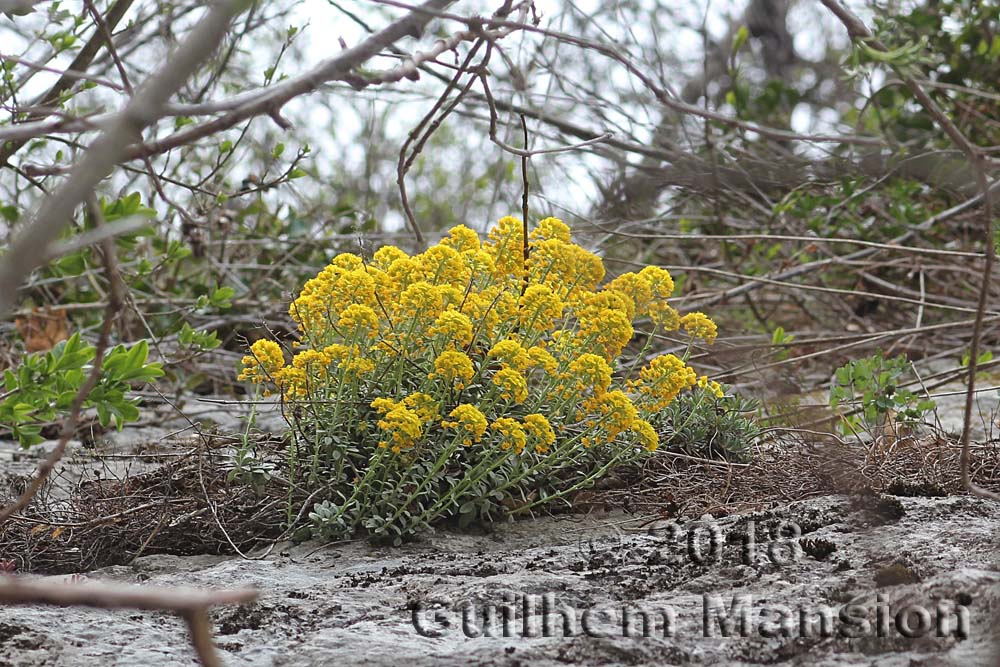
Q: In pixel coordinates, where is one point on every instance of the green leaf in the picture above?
(103, 415)
(72, 265)
(740, 38)
(137, 356)
(221, 297)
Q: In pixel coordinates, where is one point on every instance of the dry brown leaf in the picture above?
(43, 328)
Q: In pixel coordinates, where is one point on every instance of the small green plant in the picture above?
(41, 390)
(781, 339)
(865, 393)
(701, 423)
(247, 466)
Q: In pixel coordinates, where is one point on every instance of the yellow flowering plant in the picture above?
(476, 379)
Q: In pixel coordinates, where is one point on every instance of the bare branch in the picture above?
(145, 108)
(21, 590)
(191, 604)
(271, 100)
(83, 59)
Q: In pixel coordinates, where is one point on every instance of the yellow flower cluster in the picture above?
(263, 362)
(469, 421)
(540, 431)
(712, 386)
(494, 324)
(591, 373)
(401, 426)
(513, 386)
(539, 307)
(453, 327)
(511, 354)
(661, 381)
(699, 325)
(453, 367)
(359, 317)
(511, 434)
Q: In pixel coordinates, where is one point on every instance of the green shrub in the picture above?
(869, 389)
(701, 423)
(41, 390)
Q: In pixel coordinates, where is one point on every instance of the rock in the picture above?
(827, 594)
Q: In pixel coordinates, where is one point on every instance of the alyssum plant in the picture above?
(474, 379)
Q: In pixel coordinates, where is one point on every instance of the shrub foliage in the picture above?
(474, 379)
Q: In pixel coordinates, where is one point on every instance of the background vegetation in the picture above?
(819, 177)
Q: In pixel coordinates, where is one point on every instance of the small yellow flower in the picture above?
(383, 405)
(510, 353)
(313, 362)
(330, 292)
(263, 362)
(442, 265)
(404, 271)
(661, 284)
(453, 367)
(293, 381)
(505, 246)
(350, 359)
(358, 317)
(386, 255)
(454, 327)
(511, 434)
(462, 239)
(646, 434)
(637, 291)
(698, 325)
(590, 372)
(401, 427)
(615, 412)
(424, 405)
(480, 266)
(712, 386)
(566, 268)
(550, 228)
(539, 307)
(468, 420)
(347, 261)
(661, 381)
(664, 315)
(539, 357)
(605, 330)
(540, 430)
(512, 384)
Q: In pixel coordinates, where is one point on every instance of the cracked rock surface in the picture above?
(897, 581)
